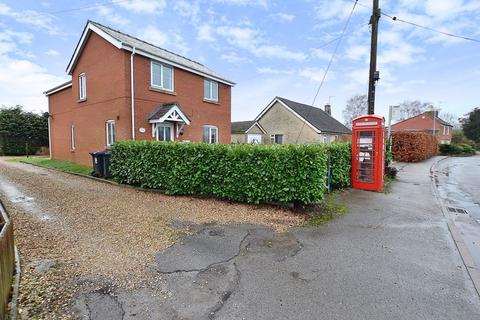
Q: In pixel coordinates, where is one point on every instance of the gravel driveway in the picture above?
(75, 233)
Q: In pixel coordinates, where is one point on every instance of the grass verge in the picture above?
(64, 166)
(325, 211)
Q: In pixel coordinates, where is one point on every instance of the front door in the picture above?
(164, 132)
(365, 157)
(254, 138)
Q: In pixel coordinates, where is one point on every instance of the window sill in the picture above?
(211, 101)
(81, 100)
(173, 93)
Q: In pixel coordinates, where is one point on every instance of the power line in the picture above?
(104, 4)
(395, 18)
(329, 65)
(353, 30)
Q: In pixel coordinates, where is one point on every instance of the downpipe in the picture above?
(132, 92)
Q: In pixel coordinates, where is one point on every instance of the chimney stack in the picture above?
(328, 109)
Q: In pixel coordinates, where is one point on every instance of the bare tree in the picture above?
(356, 106)
(450, 118)
(410, 109)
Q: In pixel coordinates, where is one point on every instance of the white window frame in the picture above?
(444, 130)
(72, 138)
(272, 138)
(157, 132)
(212, 84)
(210, 128)
(162, 65)
(82, 86)
(111, 137)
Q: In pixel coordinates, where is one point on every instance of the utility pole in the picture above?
(374, 75)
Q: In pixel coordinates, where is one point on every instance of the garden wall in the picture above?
(245, 173)
(413, 146)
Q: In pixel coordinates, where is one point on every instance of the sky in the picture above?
(268, 48)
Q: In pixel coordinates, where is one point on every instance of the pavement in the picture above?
(392, 256)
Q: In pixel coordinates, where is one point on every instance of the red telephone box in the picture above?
(368, 152)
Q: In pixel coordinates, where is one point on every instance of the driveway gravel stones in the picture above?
(97, 234)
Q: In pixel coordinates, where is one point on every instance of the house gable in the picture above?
(278, 119)
(275, 101)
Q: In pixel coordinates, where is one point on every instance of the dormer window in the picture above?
(161, 76)
(82, 86)
(210, 90)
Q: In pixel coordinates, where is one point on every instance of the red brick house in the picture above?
(427, 122)
(125, 88)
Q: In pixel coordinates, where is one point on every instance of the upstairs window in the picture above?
(210, 90)
(110, 132)
(162, 76)
(82, 86)
(277, 138)
(210, 134)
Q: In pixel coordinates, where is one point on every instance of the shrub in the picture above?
(449, 149)
(22, 132)
(456, 149)
(413, 146)
(246, 173)
(340, 164)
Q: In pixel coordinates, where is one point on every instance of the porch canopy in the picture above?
(167, 115)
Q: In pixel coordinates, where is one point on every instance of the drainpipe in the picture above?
(132, 93)
(49, 137)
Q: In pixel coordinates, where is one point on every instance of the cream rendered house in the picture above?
(284, 122)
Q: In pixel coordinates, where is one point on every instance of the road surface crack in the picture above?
(240, 249)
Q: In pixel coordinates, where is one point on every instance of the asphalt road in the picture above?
(459, 186)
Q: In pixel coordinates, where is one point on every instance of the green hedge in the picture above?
(456, 149)
(246, 173)
(340, 164)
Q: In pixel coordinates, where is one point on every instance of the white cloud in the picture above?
(280, 52)
(335, 9)
(188, 9)
(52, 52)
(261, 3)
(267, 70)
(315, 74)
(320, 54)
(242, 37)
(109, 14)
(251, 40)
(153, 35)
(171, 40)
(144, 6)
(32, 18)
(21, 81)
(443, 9)
(234, 58)
(205, 33)
(358, 52)
(281, 16)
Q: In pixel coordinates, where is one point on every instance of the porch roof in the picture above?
(170, 111)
